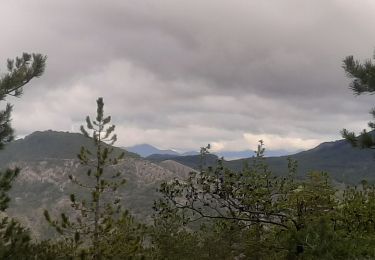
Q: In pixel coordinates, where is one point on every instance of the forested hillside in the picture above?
(339, 159)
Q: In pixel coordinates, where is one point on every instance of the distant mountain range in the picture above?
(147, 150)
(338, 158)
(232, 155)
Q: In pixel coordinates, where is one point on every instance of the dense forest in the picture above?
(214, 213)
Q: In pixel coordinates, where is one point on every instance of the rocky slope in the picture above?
(44, 184)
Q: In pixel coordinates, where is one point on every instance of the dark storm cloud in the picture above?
(197, 71)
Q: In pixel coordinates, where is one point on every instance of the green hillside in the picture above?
(48, 144)
(343, 162)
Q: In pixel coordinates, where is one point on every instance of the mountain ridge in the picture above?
(150, 151)
(47, 157)
(43, 182)
(49, 144)
(338, 158)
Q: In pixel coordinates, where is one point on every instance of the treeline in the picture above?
(215, 213)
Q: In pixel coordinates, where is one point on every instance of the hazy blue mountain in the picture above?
(190, 153)
(232, 155)
(145, 150)
(154, 153)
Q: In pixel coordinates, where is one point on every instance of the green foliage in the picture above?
(363, 75)
(93, 227)
(14, 239)
(170, 239)
(363, 82)
(125, 240)
(252, 195)
(358, 209)
(55, 249)
(20, 71)
(223, 240)
(254, 214)
(6, 179)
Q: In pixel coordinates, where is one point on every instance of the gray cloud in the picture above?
(183, 73)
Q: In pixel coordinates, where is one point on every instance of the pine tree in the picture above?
(363, 82)
(20, 71)
(96, 214)
(14, 239)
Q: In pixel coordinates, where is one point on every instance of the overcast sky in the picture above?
(181, 74)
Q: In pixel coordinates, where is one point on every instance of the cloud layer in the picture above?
(180, 74)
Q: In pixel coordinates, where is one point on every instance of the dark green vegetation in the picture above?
(254, 214)
(363, 82)
(20, 71)
(97, 211)
(256, 208)
(14, 239)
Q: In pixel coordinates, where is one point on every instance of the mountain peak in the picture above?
(47, 144)
(145, 150)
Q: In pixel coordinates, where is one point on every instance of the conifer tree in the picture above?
(14, 239)
(363, 82)
(20, 71)
(96, 214)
